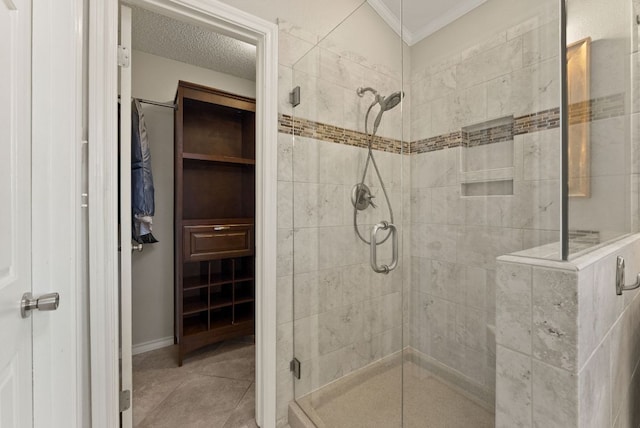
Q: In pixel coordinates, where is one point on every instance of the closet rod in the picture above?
(157, 103)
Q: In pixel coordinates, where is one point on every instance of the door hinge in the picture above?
(123, 56)
(295, 366)
(125, 400)
(294, 96)
(84, 196)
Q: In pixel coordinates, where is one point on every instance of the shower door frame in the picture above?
(103, 192)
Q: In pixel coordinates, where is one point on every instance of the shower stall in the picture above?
(410, 164)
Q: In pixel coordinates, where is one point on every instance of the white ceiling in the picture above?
(421, 17)
(159, 35)
(166, 37)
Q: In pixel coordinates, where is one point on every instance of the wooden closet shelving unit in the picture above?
(214, 216)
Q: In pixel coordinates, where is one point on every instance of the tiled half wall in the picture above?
(568, 348)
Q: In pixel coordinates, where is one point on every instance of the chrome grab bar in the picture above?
(394, 247)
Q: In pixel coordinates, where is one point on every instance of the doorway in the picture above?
(213, 359)
(214, 16)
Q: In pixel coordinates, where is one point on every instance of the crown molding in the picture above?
(391, 19)
(413, 37)
(442, 21)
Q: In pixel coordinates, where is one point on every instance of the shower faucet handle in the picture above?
(361, 197)
(370, 200)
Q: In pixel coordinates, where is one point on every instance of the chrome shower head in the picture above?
(386, 103)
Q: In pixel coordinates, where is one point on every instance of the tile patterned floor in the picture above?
(214, 388)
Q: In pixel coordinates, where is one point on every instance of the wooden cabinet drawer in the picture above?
(216, 241)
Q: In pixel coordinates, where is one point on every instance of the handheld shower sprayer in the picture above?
(386, 103)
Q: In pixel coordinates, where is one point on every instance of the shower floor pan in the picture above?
(371, 398)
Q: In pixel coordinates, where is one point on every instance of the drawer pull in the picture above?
(221, 228)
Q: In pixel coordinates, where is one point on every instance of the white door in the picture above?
(126, 383)
(16, 396)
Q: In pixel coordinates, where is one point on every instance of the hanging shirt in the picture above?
(142, 191)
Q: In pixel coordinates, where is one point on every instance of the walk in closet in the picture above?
(191, 291)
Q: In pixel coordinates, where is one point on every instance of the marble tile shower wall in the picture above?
(344, 316)
(568, 347)
(455, 239)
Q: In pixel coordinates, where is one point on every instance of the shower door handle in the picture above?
(374, 247)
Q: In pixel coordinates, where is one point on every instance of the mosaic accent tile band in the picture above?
(324, 132)
(495, 134)
(597, 109)
(589, 111)
(540, 121)
(439, 142)
(592, 110)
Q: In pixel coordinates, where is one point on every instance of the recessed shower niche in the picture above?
(486, 158)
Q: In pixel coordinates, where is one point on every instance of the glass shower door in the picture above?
(602, 167)
(346, 191)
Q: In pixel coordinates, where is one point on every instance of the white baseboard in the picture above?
(152, 345)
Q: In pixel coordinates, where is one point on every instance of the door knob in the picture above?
(46, 302)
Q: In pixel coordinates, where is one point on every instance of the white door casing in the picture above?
(103, 31)
(16, 396)
(126, 368)
(103, 213)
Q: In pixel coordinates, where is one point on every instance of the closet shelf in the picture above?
(218, 159)
(227, 278)
(245, 300)
(224, 303)
(227, 321)
(221, 279)
(193, 305)
(194, 325)
(195, 282)
(244, 277)
(224, 298)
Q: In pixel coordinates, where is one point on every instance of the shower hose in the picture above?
(370, 158)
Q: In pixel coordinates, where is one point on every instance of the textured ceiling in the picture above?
(166, 37)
